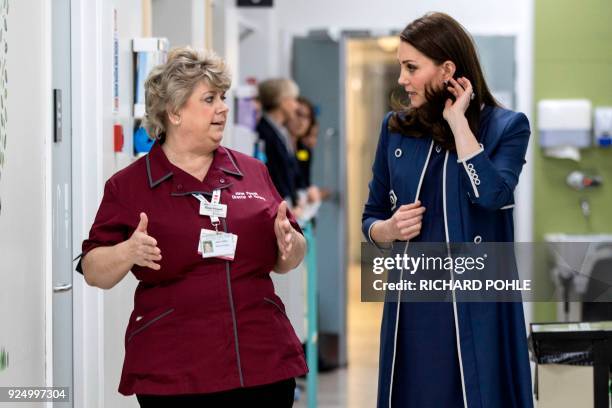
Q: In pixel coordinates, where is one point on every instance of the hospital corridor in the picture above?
(305, 203)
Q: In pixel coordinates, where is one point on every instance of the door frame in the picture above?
(88, 34)
(48, 188)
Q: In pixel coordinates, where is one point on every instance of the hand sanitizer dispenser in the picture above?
(564, 123)
(603, 126)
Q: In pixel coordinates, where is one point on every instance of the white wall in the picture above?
(25, 238)
(177, 34)
(259, 52)
(87, 140)
(301, 15)
(190, 14)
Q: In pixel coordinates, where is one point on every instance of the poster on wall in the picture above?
(4, 8)
(115, 63)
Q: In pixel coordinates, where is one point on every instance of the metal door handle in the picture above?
(62, 288)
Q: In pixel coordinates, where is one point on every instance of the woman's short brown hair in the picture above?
(272, 91)
(169, 85)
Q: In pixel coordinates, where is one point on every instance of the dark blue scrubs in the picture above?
(427, 370)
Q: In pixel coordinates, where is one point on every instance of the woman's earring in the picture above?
(446, 82)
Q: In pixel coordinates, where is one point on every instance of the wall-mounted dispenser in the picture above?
(564, 122)
(603, 126)
(564, 126)
(148, 52)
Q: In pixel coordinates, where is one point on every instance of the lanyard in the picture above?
(216, 197)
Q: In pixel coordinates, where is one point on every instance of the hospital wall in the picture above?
(264, 53)
(573, 59)
(25, 237)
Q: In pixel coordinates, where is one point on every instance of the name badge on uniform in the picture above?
(212, 208)
(215, 244)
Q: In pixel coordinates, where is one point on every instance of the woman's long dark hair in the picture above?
(441, 38)
(312, 116)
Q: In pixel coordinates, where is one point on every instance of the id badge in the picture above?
(215, 244)
(213, 210)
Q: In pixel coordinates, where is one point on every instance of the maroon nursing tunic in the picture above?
(200, 325)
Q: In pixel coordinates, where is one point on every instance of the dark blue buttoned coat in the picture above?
(478, 195)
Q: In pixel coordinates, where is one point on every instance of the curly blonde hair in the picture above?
(169, 85)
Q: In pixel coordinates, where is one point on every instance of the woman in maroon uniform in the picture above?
(201, 227)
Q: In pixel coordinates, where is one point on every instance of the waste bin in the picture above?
(573, 363)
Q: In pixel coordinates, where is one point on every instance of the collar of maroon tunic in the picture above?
(222, 172)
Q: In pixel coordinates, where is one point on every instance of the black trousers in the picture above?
(276, 395)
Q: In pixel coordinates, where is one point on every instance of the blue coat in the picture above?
(478, 200)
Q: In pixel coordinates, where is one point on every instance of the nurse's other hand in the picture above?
(284, 231)
(142, 248)
(405, 224)
(313, 194)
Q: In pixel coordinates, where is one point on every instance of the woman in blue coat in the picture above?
(446, 167)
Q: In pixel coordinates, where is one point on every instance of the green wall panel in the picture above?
(573, 59)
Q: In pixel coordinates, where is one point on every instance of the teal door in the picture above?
(316, 69)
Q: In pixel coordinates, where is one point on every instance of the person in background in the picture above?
(445, 171)
(304, 131)
(303, 125)
(278, 99)
(207, 329)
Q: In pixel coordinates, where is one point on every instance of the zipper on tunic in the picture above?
(399, 294)
(275, 304)
(147, 324)
(452, 280)
(233, 309)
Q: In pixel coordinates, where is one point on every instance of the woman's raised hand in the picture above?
(462, 91)
(142, 248)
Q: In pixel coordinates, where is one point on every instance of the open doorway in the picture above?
(371, 77)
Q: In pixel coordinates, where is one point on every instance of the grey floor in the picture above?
(354, 386)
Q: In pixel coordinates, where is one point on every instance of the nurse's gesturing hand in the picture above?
(105, 266)
(283, 230)
(291, 244)
(143, 247)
